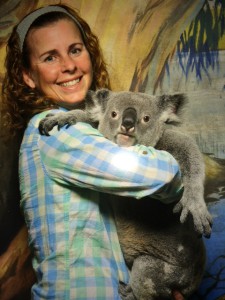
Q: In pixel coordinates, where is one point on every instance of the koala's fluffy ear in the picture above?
(102, 96)
(96, 103)
(171, 107)
(97, 98)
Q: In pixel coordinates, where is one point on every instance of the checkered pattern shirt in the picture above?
(76, 252)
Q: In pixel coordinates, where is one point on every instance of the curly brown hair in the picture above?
(20, 102)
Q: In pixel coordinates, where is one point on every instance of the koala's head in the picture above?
(129, 118)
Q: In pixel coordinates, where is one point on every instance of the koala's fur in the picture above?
(161, 247)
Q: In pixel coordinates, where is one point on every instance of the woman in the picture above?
(53, 59)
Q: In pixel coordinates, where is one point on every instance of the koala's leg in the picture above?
(152, 278)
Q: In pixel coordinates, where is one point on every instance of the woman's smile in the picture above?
(70, 83)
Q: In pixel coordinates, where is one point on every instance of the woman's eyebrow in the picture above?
(75, 44)
(49, 52)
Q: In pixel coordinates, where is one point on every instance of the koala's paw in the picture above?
(59, 120)
(126, 292)
(198, 210)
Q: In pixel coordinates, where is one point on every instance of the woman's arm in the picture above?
(81, 156)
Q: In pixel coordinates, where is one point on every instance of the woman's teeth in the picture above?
(70, 83)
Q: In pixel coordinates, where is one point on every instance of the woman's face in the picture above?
(61, 67)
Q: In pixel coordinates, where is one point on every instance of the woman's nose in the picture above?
(68, 64)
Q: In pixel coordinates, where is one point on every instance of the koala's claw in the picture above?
(201, 218)
(44, 126)
(126, 292)
(59, 120)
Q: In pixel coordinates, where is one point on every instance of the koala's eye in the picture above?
(113, 114)
(146, 119)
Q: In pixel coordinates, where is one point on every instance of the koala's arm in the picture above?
(190, 159)
(61, 119)
(90, 113)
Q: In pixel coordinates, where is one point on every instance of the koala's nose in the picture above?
(129, 119)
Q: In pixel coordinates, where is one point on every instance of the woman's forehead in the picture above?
(54, 34)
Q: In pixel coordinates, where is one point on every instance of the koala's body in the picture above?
(161, 247)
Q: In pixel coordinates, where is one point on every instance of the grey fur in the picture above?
(161, 247)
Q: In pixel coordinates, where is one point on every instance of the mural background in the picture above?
(153, 46)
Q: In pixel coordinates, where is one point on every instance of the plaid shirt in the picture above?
(71, 232)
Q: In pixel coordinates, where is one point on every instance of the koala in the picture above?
(161, 243)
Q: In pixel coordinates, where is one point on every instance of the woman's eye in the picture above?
(113, 114)
(146, 119)
(75, 51)
(49, 59)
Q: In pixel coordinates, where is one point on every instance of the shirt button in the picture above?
(145, 152)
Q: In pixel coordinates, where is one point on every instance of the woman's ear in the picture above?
(27, 77)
